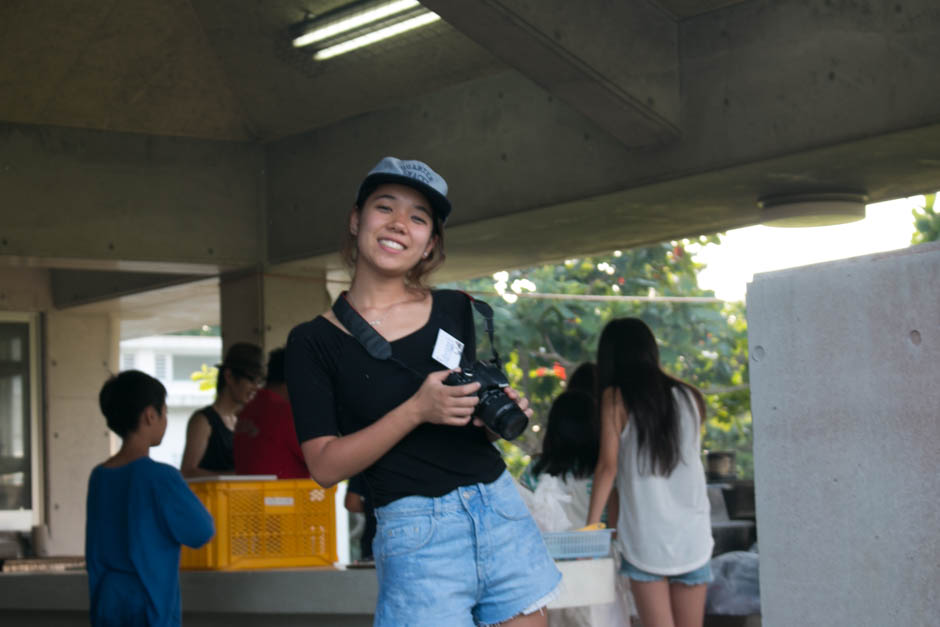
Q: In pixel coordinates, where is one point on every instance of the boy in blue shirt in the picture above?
(138, 514)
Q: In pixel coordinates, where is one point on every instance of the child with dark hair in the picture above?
(565, 468)
(584, 379)
(571, 442)
(138, 513)
(569, 451)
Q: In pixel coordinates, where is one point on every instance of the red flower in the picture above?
(559, 371)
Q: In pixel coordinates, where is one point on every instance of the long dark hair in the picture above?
(571, 437)
(584, 378)
(628, 360)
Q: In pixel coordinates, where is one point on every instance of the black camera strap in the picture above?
(483, 308)
(379, 348)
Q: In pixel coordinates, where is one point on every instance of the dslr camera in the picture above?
(497, 411)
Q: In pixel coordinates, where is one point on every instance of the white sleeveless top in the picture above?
(664, 525)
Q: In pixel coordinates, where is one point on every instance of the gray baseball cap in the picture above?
(414, 174)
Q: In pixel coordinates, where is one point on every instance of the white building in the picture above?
(173, 359)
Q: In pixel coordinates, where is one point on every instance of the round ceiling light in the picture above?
(812, 209)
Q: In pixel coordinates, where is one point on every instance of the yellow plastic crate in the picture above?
(283, 523)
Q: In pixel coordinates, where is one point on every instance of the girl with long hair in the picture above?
(569, 451)
(454, 543)
(650, 445)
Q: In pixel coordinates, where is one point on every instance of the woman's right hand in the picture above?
(442, 404)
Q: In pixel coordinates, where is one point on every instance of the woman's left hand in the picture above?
(519, 399)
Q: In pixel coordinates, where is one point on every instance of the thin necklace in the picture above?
(388, 310)
(379, 321)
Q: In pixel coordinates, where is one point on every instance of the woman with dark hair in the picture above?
(446, 508)
(209, 446)
(650, 443)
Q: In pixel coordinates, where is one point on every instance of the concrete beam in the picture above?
(179, 307)
(615, 62)
(511, 181)
(25, 289)
(79, 287)
(116, 197)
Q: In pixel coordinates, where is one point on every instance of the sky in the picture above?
(745, 252)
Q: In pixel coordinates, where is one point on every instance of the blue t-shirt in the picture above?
(138, 515)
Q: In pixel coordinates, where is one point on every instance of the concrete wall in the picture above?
(26, 290)
(81, 353)
(847, 440)
(262, 307)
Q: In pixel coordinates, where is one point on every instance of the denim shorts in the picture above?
(471, 557)
(692, 578)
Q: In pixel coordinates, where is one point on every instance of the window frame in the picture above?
(23, 520)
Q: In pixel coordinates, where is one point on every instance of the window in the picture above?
(19, 446)
(186, 365)
(159, 367)
(128, 361)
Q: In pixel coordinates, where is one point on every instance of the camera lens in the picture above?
(501, 414)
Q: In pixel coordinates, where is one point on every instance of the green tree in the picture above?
(544, 339)
(926, 221)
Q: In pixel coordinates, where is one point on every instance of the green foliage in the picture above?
(542, 340)
(206, 330)
(926, 221)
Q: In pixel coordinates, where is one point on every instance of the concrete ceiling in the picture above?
(188, 137)
(215, 69)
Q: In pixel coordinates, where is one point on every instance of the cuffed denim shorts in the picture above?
(471, 557)
(691, 578)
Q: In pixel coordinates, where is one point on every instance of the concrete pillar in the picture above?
(263, 306)
(847, 440)
(81, 353)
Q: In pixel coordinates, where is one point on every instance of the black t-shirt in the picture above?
(219, 455)
(337, 388)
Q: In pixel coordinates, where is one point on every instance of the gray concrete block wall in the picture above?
(81, 353)
(845, 384)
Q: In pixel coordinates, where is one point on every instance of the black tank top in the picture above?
(218, 456)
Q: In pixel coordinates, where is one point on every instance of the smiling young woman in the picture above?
(445, 505)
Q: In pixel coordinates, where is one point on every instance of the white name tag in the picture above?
(447, 349)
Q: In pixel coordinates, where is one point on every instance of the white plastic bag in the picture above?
(735, 590)
(546, 504)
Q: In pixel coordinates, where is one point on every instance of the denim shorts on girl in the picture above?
(471, 557)
(692, 578)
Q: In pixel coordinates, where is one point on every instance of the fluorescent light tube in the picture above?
(354, 21)
(376, 36)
